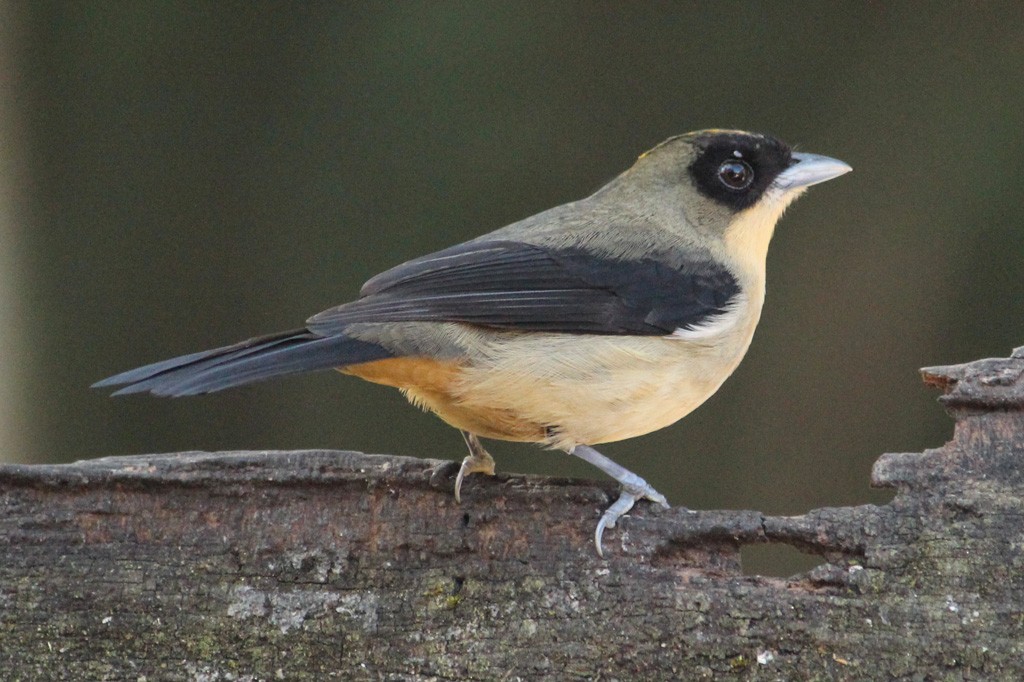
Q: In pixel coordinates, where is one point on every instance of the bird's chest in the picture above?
(662, 387)
(599, 389)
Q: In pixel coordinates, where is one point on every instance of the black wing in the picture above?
(253, 360)
(512, 285)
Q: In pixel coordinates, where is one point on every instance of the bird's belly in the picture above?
(597, 389)
(435, 386)
(563, 389)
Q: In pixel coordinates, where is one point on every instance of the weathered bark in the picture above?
(338, 565)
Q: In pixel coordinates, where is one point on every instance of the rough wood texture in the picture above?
(338, 565)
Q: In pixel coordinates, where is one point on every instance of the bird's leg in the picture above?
(633, 488)
(477, 461)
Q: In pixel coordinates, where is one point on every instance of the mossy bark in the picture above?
(337, 565)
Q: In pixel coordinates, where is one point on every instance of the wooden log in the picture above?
(339, 565)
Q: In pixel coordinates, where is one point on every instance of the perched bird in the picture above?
(595, 321)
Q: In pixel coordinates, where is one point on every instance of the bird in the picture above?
(595, 321)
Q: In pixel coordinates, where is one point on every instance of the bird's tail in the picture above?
(264, 357)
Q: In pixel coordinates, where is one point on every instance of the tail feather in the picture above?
(257, 359)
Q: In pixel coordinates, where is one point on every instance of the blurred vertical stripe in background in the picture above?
(15, 320)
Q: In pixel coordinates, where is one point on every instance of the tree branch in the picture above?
(321, 565)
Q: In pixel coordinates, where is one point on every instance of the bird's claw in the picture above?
(472, 465)
(478, 461)
(636, 490)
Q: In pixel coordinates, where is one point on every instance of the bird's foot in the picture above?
(478, 461)
(633, 488)
(631, 492)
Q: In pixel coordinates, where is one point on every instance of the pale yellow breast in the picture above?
(601, 389)
(565, 389)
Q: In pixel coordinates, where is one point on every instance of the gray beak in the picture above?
(810, 169)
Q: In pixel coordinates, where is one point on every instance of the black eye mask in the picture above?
(734, 169)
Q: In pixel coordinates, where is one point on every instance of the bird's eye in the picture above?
(736, 174)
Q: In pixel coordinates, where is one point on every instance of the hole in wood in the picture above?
(777, 560)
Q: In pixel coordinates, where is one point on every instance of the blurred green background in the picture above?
(177, 176)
